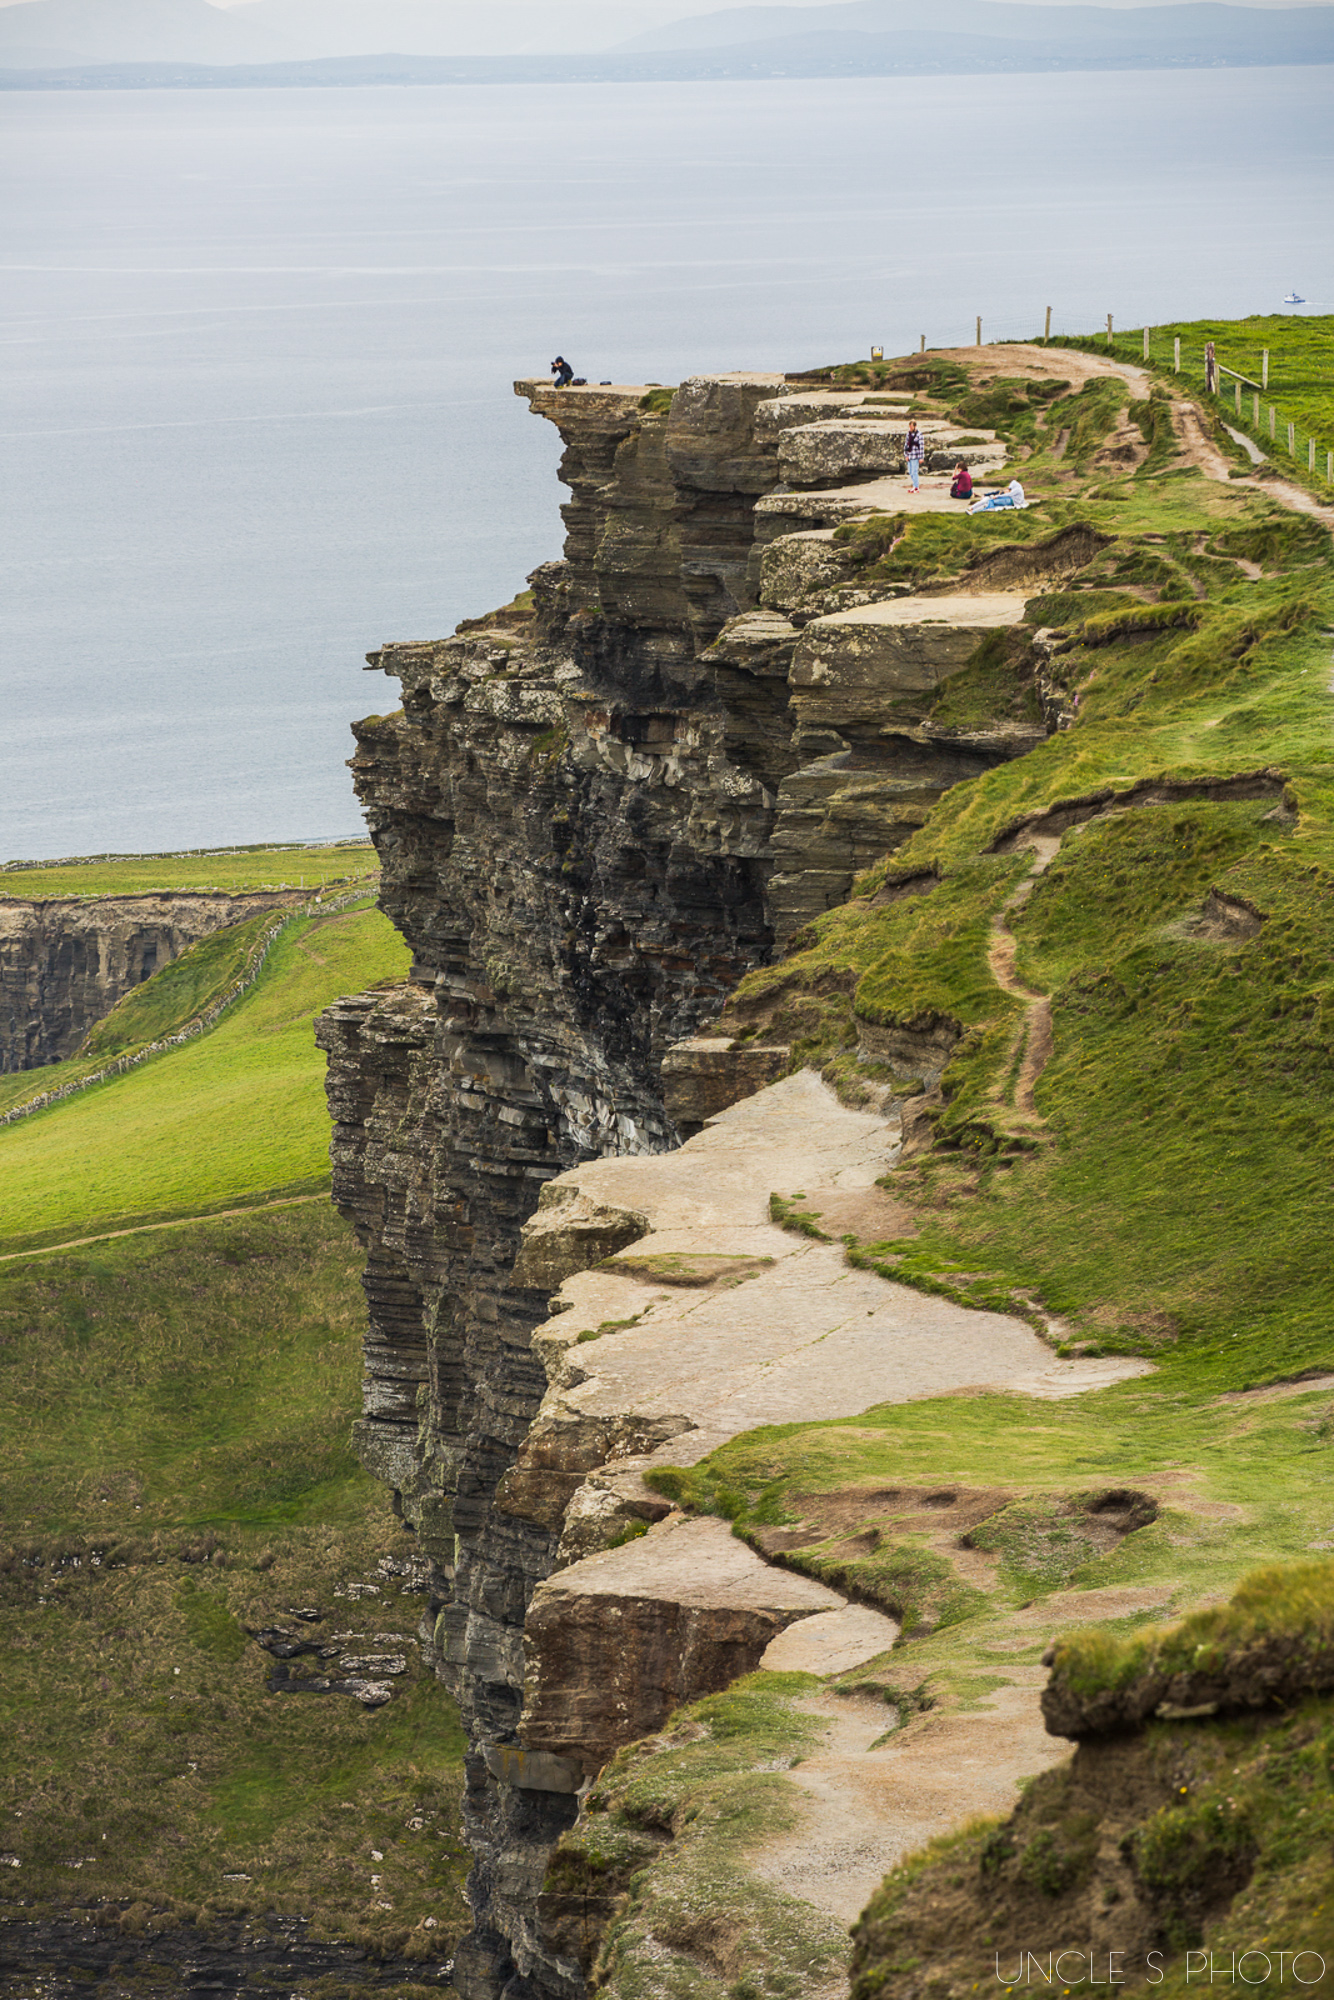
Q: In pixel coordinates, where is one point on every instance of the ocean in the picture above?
(258, 346)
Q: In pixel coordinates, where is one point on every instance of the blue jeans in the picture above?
(914, 467)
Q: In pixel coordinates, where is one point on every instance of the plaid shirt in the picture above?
(914, 444)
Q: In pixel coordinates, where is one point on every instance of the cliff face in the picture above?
(65, 962)
(595, 812)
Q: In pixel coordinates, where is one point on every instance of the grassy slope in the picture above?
(1174, 1194)
(235, 1114)
(226, 868)
(175, 1410)
(1300, 385)
(174, 1465)
(162, 1006)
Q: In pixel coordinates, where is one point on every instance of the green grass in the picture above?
(163, 1006)
(1301, 376)
(693, 1801)
(228, 868)
(235, 1114)
(174, 1467)
(186, 1376)
(1266, 1468)
(1181, 1188)
(1138, 1847)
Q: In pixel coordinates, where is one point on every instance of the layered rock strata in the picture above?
(594, 813)
(66, 961)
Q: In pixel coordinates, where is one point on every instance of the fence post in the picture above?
(979, 329)
(1146, 343)
(1046, 335)
(1210, 369)
(1310, 455)
(922, 348)
(1238, 389)
(1292, 440)
(1329, 467)
(1109, 329)
(1264, 368)
(1176, 355)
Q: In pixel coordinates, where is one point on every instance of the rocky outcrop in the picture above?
(594, 814)
(66, 961)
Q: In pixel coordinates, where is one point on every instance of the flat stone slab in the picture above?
(616, 1642)
(805, 1339)
(831, 1642)
(985, 610)
(872, 496)
(701, 1563)
(871, 664)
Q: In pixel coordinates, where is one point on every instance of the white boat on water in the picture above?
(1294, 299)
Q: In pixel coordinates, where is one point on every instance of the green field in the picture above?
(175, 1466)
(235, 1114)
(231, 868)
(1300, 387)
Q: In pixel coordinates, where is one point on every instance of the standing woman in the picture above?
(912, 452)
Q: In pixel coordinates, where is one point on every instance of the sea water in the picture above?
(258, 348)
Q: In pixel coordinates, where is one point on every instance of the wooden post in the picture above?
(1238, 389)
(1046, 336)
(1329, 467)
(1264, 368)
(1292, 440)
(1310, 456)
(1210, 369)
(922, 348)
(1255, 413)
(979, 329)
(1176, 355)
(1109, 329)
(1146, 343)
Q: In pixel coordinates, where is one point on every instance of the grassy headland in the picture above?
(1124, 941)
(226, 868)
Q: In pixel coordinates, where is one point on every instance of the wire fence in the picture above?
(1240, 393)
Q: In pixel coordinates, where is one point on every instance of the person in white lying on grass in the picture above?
(1013, 496)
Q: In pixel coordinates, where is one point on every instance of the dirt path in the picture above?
(180, 1222)
(1198, 449)
(871, 1802)
(1017, 357)
(1034, 1037)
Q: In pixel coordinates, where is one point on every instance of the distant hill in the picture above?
(1202, 32)
(318, 28)
(1199, 23)
(126, 44)
(846, 53)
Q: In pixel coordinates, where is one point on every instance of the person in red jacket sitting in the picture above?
(962, 488)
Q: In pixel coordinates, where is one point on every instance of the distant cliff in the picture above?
(65, 962)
